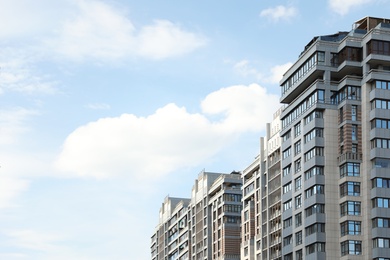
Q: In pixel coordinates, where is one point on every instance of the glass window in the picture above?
(287, 205)
(351, 247)
(286, 170)
(321, 56)
(381, 183)
(316, 189)
(350, 228)
(286, 153)
(287, 187)
(287, 222)
(298, 201)
(354, 148)
(315, 247)
(297, 165)
(381, 243)
(298, 219)
(298, 238)
(354, 132)
(297, 129)
(316, 132)
(381, 163)
(316, 208)
(352, 208)
(350, 169)
(287, 240)
(381, 202)
(316, 170)
(354, 113)
(298, 183)
(350, 188)
(315, 228)
(297, 147)
(381, 223)
(287, 136)
(316, 151)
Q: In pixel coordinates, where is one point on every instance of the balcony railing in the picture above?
(349, 156)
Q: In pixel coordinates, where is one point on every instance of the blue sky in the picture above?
(106, 107)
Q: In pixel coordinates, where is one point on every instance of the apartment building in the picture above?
(320, 186)
(261, 229)
(335, 146)
(170, 240)
(225, 210)
(205, 226)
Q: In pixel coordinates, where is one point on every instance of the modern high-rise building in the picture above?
(225, 211)
(171, 238)
(206, 226)
(261, 229)
(335, 146)
(215, 211)
(320, 186)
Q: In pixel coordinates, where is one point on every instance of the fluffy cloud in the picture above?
(90, 29)
(342, 7)
(164, 39)
(278, 71)
(167, 140)
(242, 107)
(245, 69)
(279, 12)
(101, 32)
(96, 30)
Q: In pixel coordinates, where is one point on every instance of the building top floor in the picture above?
(172, 207)
(328, 52)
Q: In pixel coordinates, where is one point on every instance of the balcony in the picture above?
(376, 74)
(343, 158)
(274, 160)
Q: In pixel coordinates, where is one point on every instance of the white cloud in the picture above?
(154, 145)
(167, 140)
(101, 32)
(17, 74)
(90, 29)
(279, 12)
(342, 7)
(243, 107)
(245, 69)
(164, 39)
(96, 30)
(278, 71)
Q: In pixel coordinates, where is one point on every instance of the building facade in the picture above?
(225, 210)
(261, 229)
(320, 186)
(170, 240)
(205, 226)
(335, 146)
